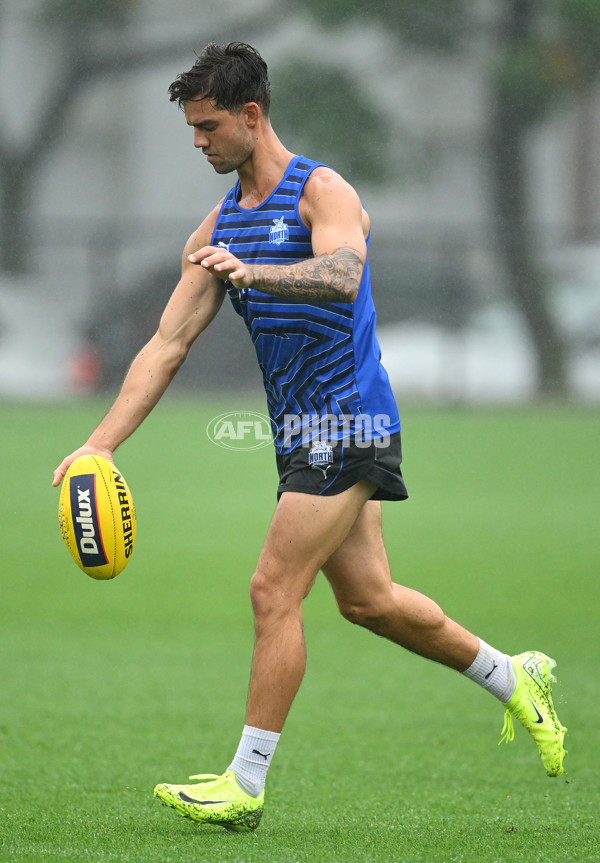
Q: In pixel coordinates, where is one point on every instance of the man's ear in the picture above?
(252, 113)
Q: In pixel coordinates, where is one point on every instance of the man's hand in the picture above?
(333, 278)
(222, 264)
(86, 449)
(332, 212)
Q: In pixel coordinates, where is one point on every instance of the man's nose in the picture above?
(200, 139)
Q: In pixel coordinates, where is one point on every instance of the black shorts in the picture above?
(330, 467)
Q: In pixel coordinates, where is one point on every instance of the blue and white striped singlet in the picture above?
(319, 361)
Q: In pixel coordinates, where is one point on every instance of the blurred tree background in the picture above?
(91, 41)
(541, 51)
(537, 55)
(82, 31)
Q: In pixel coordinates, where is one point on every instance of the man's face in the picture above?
(224, 138)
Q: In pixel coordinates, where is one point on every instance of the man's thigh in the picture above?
(305, 532)
(358, 570)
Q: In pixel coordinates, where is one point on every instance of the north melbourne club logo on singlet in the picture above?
(279, 233)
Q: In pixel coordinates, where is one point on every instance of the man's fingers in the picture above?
(226, 265)
(61, 470)
(222, 264)
(215, 261)
(66, 463)
(199, 256)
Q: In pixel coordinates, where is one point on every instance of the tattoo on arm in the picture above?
(331, 278)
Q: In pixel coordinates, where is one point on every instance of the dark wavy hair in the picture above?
(228, 75)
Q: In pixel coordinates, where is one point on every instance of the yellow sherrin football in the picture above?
(96, 517)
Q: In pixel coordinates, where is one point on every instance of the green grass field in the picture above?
(110, 687)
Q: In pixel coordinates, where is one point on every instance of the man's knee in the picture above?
(377, 612)
(366, 614)
(274, 595)
(261, 593)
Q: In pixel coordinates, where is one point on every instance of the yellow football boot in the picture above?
(532, 705)
(214, 800)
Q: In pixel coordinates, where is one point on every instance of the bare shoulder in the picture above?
(326, 193)
(326, 181)
(203, 233)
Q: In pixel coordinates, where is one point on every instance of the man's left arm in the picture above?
(333, 213)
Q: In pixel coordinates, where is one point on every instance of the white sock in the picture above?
(253, 759)
(493, 670)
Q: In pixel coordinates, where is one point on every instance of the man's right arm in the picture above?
(194, 303)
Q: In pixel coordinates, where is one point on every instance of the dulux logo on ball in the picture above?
(86, 524)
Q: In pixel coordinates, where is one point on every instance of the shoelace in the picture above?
(508, 729)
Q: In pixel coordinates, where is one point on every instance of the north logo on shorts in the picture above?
(320, 456)
(86, 524)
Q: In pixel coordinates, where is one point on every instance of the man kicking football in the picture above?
(289, 245)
